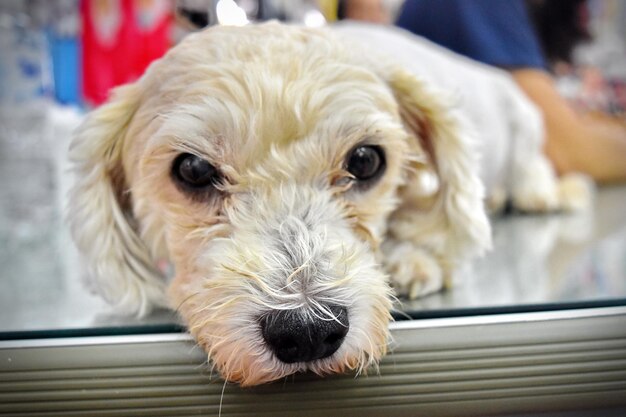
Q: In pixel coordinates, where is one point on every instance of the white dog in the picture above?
(281, 172)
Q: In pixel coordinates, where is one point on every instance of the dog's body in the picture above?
(509, 127)
(280, 172)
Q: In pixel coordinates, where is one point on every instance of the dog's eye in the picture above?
(194, 171)
(366, 162)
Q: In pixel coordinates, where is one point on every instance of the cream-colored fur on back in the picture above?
(276, 109)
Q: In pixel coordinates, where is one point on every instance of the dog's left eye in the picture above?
(366, 162)
(193, 171)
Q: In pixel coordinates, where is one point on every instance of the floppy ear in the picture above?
(458, 212)
(100, 210)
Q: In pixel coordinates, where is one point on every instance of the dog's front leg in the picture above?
(414, 271)
(536, 188)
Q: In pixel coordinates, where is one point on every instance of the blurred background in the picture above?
(72, 52)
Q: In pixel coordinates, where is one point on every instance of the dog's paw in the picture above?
(495, 202)
(536, 201)
(414, 272)
(575, 192)
(539, 196)
(535, 187)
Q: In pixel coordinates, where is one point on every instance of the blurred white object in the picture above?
(229, 13)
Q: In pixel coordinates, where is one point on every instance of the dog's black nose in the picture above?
(299, 336)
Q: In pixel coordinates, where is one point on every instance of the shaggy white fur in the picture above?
(285, 225)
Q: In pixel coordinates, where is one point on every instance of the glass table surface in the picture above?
(546, 262)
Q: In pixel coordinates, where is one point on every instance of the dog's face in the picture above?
(264, 163)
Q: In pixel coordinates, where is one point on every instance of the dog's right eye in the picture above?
(193, 171)
(366, 163)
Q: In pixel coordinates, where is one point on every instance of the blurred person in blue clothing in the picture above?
(501, 33)
(495, 32)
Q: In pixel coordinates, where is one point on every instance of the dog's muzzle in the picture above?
(295, 336)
